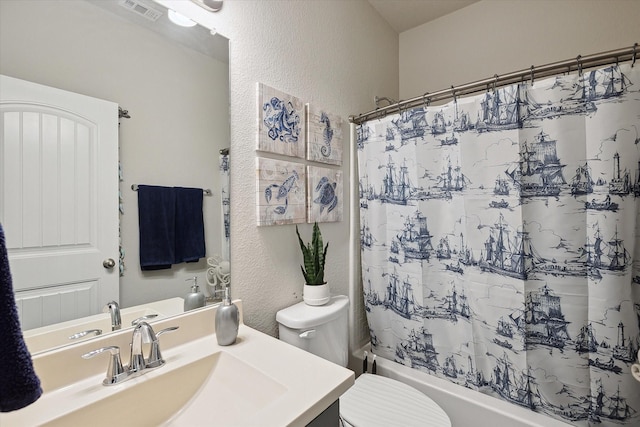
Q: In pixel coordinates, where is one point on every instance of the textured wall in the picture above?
(338, 55)
(498, 36)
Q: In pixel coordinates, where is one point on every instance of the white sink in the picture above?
(258, 381)
(218, 386)
(52, 336)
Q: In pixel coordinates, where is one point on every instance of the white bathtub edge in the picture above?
(464, 406)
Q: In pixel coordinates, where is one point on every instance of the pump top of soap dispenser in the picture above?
(194, 286)
(195, 298)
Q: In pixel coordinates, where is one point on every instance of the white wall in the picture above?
(499, 36)
(178, 100)
(337, 54)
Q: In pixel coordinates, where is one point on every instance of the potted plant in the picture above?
(316, 290)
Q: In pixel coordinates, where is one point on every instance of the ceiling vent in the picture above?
(141, 9)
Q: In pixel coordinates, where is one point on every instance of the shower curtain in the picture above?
(226, 203)
(500, 246)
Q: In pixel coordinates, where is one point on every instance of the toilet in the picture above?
(373, 400)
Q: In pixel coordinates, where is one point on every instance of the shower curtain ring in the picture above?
(532, 68)
(495, 82)
(453, 94)
(633, 60)
(425, 99)
(400, 107)
(579, 61)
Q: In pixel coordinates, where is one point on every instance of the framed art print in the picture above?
(280, 192)
(281, 123)
(324, 194)
(324, 136)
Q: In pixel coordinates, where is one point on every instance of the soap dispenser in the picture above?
(227, 320)
(195, 298)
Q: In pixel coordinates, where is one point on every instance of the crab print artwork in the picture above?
(324, 190)
(281, 124)
(280, 196)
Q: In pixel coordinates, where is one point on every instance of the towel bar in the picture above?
(207, 192)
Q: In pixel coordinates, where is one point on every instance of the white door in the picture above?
(58, 200)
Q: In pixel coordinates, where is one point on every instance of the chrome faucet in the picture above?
(116, 373)
(142, 334)
(114, 309)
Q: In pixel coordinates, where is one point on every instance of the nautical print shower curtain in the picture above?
(500, 246)
(226, 203)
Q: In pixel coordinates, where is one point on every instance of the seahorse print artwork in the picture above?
(324, 136)
(327, 135)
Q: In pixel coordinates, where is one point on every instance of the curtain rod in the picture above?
(579, 63)
(206, 192)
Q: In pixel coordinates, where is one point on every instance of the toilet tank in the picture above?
(321, 330)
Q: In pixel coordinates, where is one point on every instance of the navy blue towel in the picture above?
(157, 224)
(190, 245)
(19, 384)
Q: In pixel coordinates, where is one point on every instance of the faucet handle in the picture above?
(115, 371)
(134, 322)
(155, 357)
(165, 330)
(85, 333)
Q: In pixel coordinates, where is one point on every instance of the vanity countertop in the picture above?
(258, 381)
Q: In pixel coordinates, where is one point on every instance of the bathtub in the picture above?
(465, 407)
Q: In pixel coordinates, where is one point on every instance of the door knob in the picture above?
(108, 263)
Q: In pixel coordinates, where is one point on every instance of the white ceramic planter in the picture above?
(316, 294)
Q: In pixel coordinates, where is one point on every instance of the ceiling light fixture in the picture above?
(181, 20)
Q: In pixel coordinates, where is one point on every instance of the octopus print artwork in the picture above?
(281, 122)
(280, 195)
(324, 136)
(324, 189)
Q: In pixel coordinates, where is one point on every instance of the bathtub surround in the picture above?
(19, 384)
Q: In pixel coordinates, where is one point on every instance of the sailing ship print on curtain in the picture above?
(500, 247)
(225, 199)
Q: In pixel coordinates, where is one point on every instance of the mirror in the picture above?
(174, 83)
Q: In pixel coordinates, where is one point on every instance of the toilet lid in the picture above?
(379, 401)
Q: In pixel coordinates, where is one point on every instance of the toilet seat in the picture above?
(379, 401)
